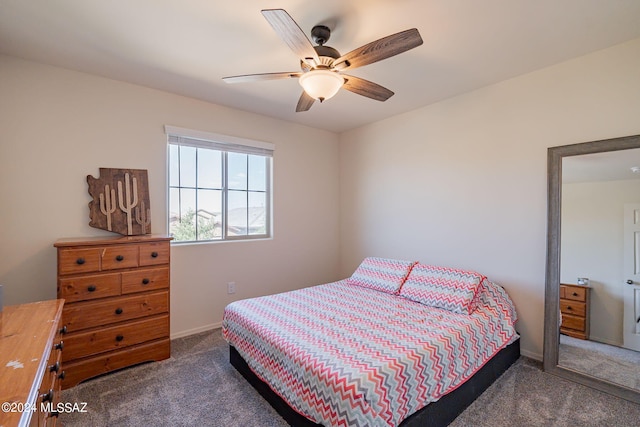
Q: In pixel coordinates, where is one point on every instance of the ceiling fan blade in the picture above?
(260, 77)
(304, 103)
(366, 88)
(380, 49)
(289, 31)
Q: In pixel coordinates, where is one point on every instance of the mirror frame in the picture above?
(552, 285)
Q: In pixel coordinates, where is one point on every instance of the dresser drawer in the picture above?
(51, 382)
(145, 280)
(49, 388)
(54, 365)
(154, 253)
(54, 371)
(573, 322)
(103, 312)
(114, 337)
(116, 257)
(72, 261)
(576, 308)
(575, 293)
(82, 288)
(90, 367)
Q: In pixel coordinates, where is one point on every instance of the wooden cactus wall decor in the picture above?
(120, 201)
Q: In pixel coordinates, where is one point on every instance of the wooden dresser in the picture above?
(574, 307)
(117, 303)
(30, 363)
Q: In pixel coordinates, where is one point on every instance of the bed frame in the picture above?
(436, 414)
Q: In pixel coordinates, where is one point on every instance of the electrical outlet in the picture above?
(231, 288)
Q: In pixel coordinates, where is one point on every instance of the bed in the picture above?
(397, 343)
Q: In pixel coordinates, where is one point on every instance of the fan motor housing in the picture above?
(327, 51)
(326, 54)
(320, 34)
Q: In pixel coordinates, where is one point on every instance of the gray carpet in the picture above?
(527, 396)
(198, 387)
(616, 364)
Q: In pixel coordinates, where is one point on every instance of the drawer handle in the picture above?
(80, 261)
(62, 375)
(119, 258)
(91, 288)
(59, 346)
(118, 310)
(569, 307)
(119, 338)
(48, 396)
(145, 281)
(575, 294)
(154, 254)
(63, 330)
(55, 367)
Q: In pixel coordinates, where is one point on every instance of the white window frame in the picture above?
(226, 144)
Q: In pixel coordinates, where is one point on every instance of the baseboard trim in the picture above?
(605, 341)
(531, 355)
(197, 330)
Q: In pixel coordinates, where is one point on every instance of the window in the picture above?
(219, 187)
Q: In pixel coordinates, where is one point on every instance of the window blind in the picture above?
(215, 141)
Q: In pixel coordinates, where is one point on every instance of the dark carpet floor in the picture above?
(615, 364)
(198, 387)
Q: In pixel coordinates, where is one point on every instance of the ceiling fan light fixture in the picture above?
(321, 65)
(321, 84)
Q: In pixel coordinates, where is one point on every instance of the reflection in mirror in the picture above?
(592, 324)
(599, 204)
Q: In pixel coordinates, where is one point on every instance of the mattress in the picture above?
(346, 355)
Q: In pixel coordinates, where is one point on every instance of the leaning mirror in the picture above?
(592, 298)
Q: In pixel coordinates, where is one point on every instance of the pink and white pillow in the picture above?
(381, 274)
(442, 287)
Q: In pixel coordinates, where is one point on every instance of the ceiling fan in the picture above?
(321, 66)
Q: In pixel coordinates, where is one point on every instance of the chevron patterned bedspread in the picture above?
(345, 355)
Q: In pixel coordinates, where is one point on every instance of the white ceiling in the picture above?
(187, 46)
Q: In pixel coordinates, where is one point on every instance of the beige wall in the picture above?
(462, 183)
(58, 126)
(459, 183)
(592, 246)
